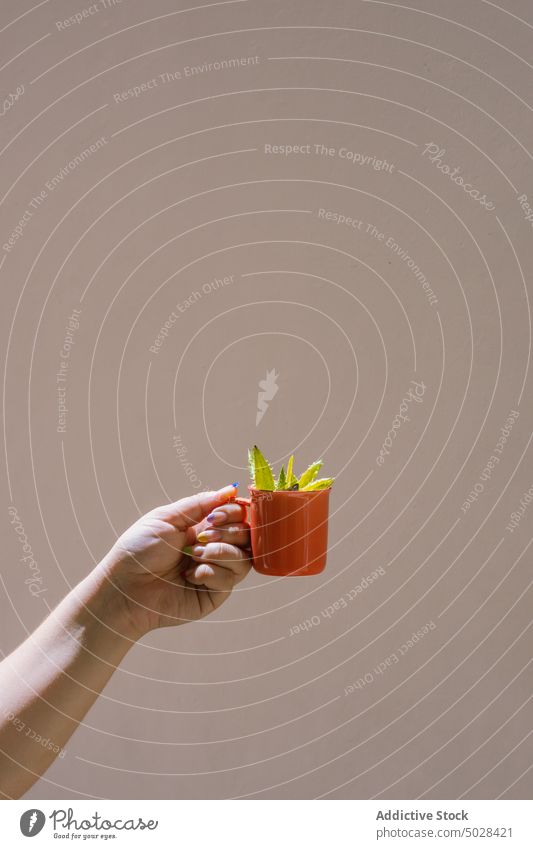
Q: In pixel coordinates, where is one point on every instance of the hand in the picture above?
(159, 585)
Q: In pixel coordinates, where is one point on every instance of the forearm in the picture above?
(49, 683)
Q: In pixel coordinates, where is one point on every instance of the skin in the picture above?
(48, 683)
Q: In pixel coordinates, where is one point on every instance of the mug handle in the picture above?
(244, 502)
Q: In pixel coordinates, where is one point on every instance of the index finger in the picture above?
(190, 511)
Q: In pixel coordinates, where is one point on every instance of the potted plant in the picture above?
(288, 517)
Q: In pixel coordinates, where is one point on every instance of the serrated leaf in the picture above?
(282, 479)
(292, 480)
(290, 464)
(251, 464)
(310, 473)
(262, 473)
(321, 483)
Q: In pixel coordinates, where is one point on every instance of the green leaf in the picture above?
(262, 476)
(321, 483)
(310, 473)
(282, 480)
(289, 467)
(251, 464)
(292, 480)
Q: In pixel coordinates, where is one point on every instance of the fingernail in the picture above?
(209, 536)
(236, 484)
(187, 550)
(217, 517)
(198, 550)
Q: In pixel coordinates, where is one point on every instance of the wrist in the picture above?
(108, 606)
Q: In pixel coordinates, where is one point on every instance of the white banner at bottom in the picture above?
(262, 824)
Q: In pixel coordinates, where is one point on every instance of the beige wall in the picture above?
(185, 186)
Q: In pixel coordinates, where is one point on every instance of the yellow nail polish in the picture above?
(202, 537)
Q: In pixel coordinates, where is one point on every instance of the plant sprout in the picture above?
(263, 476)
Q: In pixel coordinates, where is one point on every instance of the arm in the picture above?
(48, 684)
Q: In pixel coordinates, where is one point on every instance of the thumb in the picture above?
(189, 511)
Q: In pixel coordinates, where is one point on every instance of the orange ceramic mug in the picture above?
(289, 530)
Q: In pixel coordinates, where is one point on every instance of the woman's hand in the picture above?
(160, 585)
(51, 680)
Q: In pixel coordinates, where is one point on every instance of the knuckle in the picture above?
(236, 528)
(215, 550)
(204, 571)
